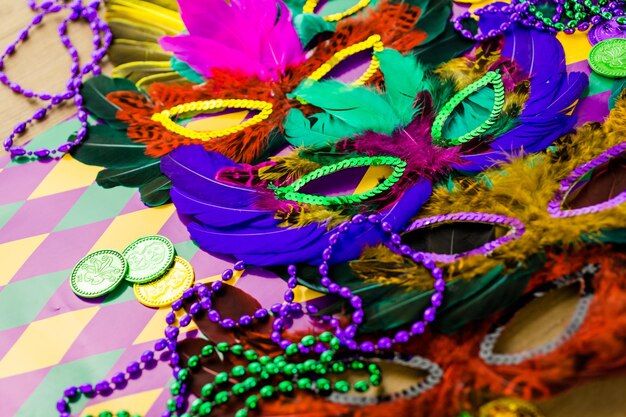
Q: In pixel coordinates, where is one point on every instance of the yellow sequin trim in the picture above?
(310, 5)
(373, 42)
(165, 117)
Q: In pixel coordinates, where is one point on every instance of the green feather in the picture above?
(470, 113)
(156, 192)
(110, 148)
(310, 27)
(94, 92)
(449, 44)
(295, 6)
(495, 295)
(403, 80)
(185, 70)
(435, 15)
(319, 130)
(129, 177)
(358, 107)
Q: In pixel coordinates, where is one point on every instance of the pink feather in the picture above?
(254, 37)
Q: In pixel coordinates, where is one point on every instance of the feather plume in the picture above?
(345, 102)
(137, 26)
(412, 144)
(153, 12)
(224, 218)
(253, 37)
(522, 189)
(403, 80)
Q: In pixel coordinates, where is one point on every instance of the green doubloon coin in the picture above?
(608, 58)
(148, 258)
(98, 273)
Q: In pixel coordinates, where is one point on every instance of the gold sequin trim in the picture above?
(310, 5)
(374, 42)
(165, 117)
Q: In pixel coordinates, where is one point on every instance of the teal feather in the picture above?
(186, 71)
(129, 177)
(110, 148)
(94, 92)
(310, 26)
(358, 107)
(447, 45)
(435, 16)
(319, 130)
(404, 78)
(470, 113)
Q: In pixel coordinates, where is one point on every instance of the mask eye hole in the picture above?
(447, 238)
(470, 112)
(355, 64)
(332, 185)
(594, 186)
(210, 119)
(558, 308)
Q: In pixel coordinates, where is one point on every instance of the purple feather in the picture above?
(224, 218)
(255, 37)
(553, 94)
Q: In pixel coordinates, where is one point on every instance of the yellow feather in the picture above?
(146, 13)
(520, 189)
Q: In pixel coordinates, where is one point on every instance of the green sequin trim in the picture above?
(492, 77)
(290, 192)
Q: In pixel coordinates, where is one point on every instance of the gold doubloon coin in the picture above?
(167, 289)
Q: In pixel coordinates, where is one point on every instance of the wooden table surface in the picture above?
(42, 64)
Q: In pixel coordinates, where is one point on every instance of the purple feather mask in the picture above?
(230, 216)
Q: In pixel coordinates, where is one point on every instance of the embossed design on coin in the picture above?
(167, 289)
(608, 58)
(148, 258)
(98, 273)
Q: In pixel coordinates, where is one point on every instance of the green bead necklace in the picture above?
(262, 372)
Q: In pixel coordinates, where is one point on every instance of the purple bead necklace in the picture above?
(284, 314)
(569, 16)
(101, 40)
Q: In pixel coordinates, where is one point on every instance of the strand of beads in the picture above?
(104, 387)
(101, 40)
(346, 335)
(567, 16)
(306, 375)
